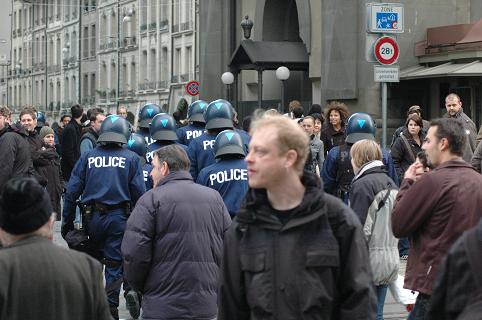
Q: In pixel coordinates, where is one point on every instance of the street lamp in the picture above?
(227, 78)
(282, 74)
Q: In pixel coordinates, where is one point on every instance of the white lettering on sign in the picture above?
(106, 162)
(191, 134)
(208, 144)
(226, 176)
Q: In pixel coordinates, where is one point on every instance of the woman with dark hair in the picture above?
(406, 147)
(318, 124)
(334, 133)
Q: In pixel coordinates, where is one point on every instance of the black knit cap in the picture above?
(24, 206)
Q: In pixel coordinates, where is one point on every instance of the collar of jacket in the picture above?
(256, 207)
(176, 175)
(453, 164)
(331, 131)
(29, 240)
(91, 130)
(369, 167)
(18, 128)
(457, 115)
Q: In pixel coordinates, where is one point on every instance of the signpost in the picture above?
(385, 18)
(192, 88)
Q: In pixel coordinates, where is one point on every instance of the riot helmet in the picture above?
(40, 119)
(228, 142)
(163, 127)
(219, 114)
(196, 111)
(138, 144)
(360, 126)
(114, 129)
(147, 112)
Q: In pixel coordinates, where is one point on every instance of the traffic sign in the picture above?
(385, 17)
(386, 74)
(192, 88)
(386, 50)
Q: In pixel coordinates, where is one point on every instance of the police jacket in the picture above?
(70, 147)
(15, 159)
(230, 178)
(200, 152)
(172, 248)
(316, 266)
(187, 133)
(157, 144)
(109, 175)
(338, 172)
(403, 156)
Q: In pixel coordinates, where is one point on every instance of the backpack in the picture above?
(473, 249)
(382, 244)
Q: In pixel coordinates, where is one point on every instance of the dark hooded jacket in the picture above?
(402, 156)
(70, 147)
(172, 249)
(332, 138)
(48, 166)
(316, 266)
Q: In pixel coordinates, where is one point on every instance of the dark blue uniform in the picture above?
(331, 167)
(157, 145)
(245, 136)
(109, 176)
(230, 179)
(146, 172)
(200, 153)
(147, 136)
(189, 132)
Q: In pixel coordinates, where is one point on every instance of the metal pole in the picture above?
(235, 91)
(282, 109)
(118, 53)
(260, 88)
(80, 52)
(384, 114)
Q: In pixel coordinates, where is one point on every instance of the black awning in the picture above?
(265, 55)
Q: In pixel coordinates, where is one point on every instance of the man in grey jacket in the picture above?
(173, 242)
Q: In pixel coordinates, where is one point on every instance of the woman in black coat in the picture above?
(407, 145)
(334, 133)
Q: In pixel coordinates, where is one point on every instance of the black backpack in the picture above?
(473, 249)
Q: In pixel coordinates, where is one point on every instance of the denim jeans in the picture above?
(420, 308)
(403, 246)
(381, 294)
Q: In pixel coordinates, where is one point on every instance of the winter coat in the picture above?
(317, 154)
(476, 161)
(364, 197)
(470, 130)
(65, 284)
(15, 159)
(70, 147)
(332, 138)
(172, 248)
(315, 266)
(48, 166)
(434, 212)
(401, 155)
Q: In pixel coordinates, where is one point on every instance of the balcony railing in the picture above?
(152, 26)
(175, 78)
(186, 26)
(175, 28)
(164, 25)
(185, 77)
(53, 68)
(88, 100)
(143, 28)
(130, 41)
(92, 53)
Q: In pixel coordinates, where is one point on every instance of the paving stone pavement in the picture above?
(393, 310)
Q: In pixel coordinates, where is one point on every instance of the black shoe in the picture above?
(114, 313)
(132, 304)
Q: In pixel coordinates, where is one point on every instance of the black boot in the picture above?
(133, 304)
(114, 313)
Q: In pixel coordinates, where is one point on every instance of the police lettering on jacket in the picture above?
(106, 162)
(191, 134)
(228, 175)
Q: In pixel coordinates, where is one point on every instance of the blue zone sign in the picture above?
(385, 17)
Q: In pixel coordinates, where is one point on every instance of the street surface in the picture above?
(392, 309)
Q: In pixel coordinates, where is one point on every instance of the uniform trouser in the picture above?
(107, 231)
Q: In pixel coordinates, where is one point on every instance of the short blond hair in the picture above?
(364, 151)
(289, 134)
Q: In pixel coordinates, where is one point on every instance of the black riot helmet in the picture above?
(138, 144)
(219, 114)
(360, 126)
(196, 111)
(228, 142)
(114, 129)
(148, 111)
(163, 127)
(40, 119)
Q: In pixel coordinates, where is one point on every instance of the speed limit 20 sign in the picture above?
(386, 50)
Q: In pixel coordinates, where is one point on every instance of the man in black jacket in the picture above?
(15, 160)
(71, 141)
(292, 252)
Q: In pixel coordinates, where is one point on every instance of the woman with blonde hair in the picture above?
(371, 198)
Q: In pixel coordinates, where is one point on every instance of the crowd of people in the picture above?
(293, 217)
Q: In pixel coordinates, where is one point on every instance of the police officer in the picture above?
(138, 144)
(109, 179)
(196, 122)
(163, 131)
(218, 117)
(229, 175)
(146, 114)
(40, 121)
(337, 172)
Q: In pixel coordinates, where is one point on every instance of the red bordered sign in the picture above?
(192, 88)
(386, 50)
